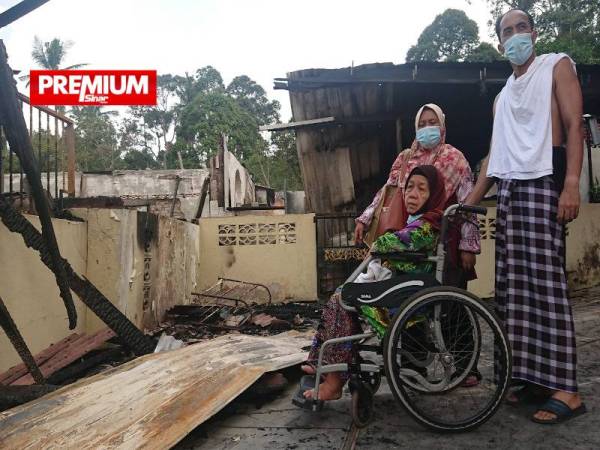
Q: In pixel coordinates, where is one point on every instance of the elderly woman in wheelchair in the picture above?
(429, 336)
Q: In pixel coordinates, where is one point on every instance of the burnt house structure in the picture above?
(351, 123)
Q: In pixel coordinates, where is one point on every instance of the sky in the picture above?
(263, 39)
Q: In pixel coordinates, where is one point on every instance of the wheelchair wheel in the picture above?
(362, 406)
(434, 341)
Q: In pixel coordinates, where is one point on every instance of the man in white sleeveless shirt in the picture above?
(535, 157)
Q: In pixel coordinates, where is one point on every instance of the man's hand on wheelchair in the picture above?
(467, 260)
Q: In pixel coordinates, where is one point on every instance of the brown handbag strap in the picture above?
(405, 160)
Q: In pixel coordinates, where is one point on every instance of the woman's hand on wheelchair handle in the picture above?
(359, 232)
(467, 260)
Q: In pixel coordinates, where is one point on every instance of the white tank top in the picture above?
(522, 138)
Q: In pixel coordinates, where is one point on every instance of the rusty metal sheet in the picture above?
(153, 401)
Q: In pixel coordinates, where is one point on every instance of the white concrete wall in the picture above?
(239, 188)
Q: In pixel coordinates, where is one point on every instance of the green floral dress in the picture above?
(417, 236)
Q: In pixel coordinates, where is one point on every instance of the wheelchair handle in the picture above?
(459, 207)
(482, 210)
(450, 211)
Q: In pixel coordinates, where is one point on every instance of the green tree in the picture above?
(160, 120)
(452, 36)
(134, 146)
(570, 26)
(138, 160)
(285, 167)
(192, 113)
(484, 52)
(95, 138)
(252, 98)
(210, 115)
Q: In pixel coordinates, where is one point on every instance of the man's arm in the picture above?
(483, 183)
(570, 104)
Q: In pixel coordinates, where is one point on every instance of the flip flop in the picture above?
(527, 395)
(561, 410)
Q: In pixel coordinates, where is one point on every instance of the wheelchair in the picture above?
(437, 336)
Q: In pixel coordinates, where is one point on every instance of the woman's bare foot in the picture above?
(308, 369)
(470, 381)
(572, 400)
(330, 389)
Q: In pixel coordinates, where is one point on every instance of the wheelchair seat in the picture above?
(388, 293)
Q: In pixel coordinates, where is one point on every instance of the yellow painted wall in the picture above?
(115, 261)
(29, 288)
(175, 255)
(278, 251)
(583, 251)
(483, 286)
(583, 247)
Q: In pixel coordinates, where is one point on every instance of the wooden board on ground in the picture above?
(153, 401)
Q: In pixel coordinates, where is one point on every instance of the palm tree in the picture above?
(51, 55)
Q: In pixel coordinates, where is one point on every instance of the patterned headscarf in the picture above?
(396, 167)
(442, 120)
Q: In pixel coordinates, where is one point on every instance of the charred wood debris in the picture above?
(224, 308)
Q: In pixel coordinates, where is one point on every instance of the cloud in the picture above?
(262, 39)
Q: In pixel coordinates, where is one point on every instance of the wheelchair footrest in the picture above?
(307, 382)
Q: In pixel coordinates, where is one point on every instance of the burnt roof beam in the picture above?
(19, 10)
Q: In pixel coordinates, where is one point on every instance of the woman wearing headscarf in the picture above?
(425, 197)
(387, 209)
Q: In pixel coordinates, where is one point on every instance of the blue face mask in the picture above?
(429, 137)
(518, 48)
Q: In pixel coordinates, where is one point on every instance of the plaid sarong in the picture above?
(531, 285)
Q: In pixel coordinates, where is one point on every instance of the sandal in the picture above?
(562, 411)
(528, 395)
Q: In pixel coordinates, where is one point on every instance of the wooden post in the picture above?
(399, 146)
(70, 143)
(203, 193)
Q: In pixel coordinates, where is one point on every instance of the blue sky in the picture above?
(262, 39)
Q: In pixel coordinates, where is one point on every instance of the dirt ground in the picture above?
(277, 424)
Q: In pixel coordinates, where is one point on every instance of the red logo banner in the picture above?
(93, 87)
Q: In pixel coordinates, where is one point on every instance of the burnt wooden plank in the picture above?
(19, 370)
(73, 351)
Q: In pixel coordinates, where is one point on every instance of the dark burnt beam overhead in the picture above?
(431, 73)
(330, 121)
(19, 10)
(299, 124)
